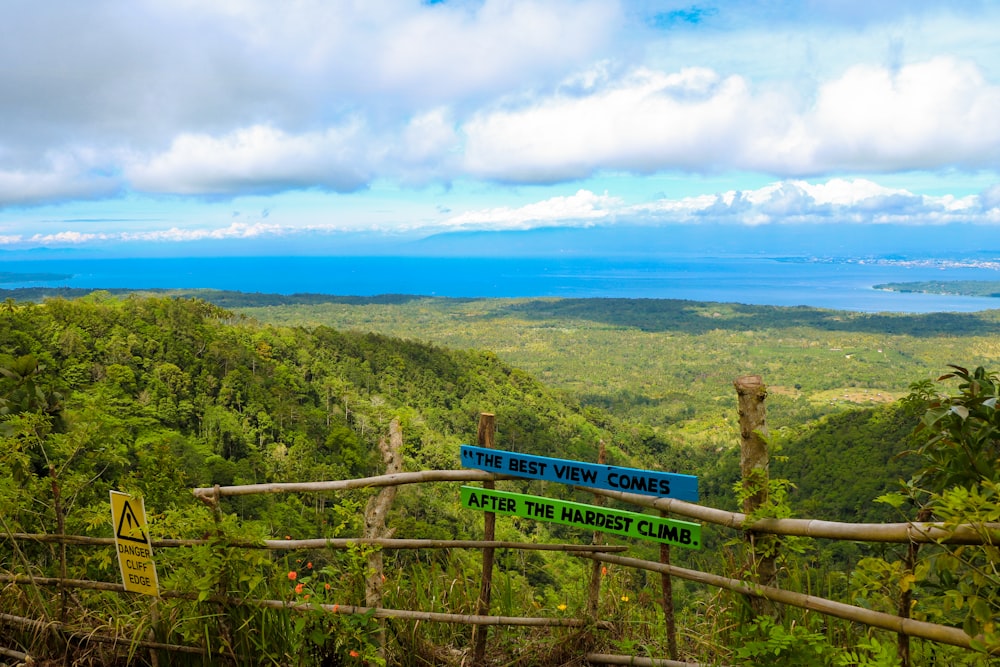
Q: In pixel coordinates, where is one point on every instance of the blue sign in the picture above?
(577, 473)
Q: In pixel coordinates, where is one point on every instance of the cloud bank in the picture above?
(180, 100)
(928, 115)
(785, 202)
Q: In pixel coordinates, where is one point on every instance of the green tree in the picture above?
(959, 483)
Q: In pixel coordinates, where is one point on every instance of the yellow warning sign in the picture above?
(135, 552)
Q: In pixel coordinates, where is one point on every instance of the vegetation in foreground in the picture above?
(157, 395)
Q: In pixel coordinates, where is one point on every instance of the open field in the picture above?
(670, 364)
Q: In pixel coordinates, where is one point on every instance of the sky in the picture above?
(130, 123)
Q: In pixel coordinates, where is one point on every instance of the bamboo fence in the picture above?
(892, 533)
(900, 533)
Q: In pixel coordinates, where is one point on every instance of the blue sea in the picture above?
(835, 284)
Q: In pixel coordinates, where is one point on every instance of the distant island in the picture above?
(988, 288)
(9, 277)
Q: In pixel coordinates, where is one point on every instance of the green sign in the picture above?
(619, 522)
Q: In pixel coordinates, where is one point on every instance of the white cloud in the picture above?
(859, 201)
(837, 200)
(234, 231)
(237, 97)
(198, 76)
(475, 48)
(644, 122)
(61, 176)
(926, 115)
(842, 192)
(162, 67)
(788, 201)
(582, 207)
(426, 149)
(257, 159)
(67, 238)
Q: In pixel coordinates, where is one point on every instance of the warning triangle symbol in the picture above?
(129, 526)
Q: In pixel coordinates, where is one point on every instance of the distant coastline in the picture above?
(976, 288)
(835, 284)
(8, 277)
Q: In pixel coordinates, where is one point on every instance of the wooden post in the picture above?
(754, 462)
(484, 438)
(754, 459)
(593, 597)
(905, 601)
(222, 586)
(61, 529)
(667, 591)
(376, 512)
(906, 597)
(154, 622)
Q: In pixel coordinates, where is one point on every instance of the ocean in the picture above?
(779, 281)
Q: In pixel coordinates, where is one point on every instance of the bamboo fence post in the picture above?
(61, 528)
(375, 516)
(906, 597)
(484, 438)
(754, 461)
(154, 621)
(667, 591)
(594, 592)
(222, 586)
(905, 600)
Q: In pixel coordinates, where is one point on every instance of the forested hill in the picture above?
(213, 398)
(154, 395)
(224, 399)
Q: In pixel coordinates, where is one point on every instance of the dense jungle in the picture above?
(157, 394)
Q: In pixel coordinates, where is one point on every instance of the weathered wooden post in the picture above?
(376, 512)
(222, 587)
(594, 592)
(906, 597)
(754, 462)
(484, 438)
(61, 529)
(667, 591)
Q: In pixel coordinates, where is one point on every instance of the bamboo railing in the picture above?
(920, 532)
(893, 533)
(899, 533)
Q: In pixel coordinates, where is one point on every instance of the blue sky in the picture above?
(172, 122)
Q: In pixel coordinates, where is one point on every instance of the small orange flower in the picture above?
(604, 571)
(306, 596)
(355, 654)
(288, 537)
(326, 586)
(335, 608)
(298, 589)
(309, 565)
(293, 575)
